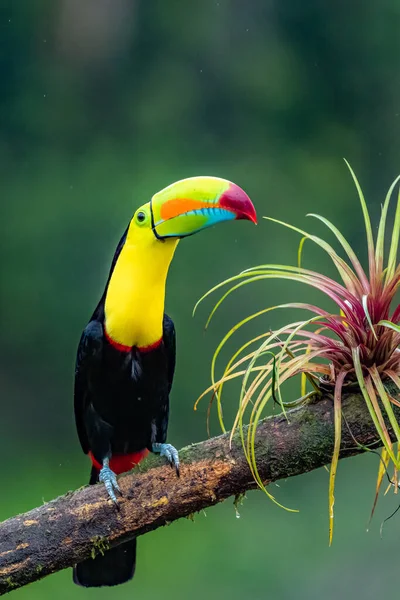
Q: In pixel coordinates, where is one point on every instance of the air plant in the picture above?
(356, 345)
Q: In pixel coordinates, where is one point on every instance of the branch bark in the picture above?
(68, 529)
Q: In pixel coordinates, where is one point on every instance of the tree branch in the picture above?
(82, 523)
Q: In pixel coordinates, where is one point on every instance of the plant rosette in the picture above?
(355, 345)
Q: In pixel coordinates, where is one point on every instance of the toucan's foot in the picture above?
(109, 478)
(170, 453)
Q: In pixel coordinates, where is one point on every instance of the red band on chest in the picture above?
(116, 345)
(121, 463)
(144, 349)
(123, 348)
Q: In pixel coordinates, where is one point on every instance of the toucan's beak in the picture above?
(193, 204)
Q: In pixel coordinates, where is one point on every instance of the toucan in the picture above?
(126, 355)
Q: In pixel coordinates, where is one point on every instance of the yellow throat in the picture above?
(134, 305)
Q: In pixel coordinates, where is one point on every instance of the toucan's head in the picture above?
(188, 206)
(134, 304)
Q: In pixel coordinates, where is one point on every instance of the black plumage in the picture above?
(121, 398)
(121, 407)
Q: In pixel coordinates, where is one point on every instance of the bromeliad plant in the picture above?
(355, 345)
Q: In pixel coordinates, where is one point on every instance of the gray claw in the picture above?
(170, 453)
(109, 478)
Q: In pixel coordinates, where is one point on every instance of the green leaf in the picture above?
(367, 315)
(368, 228)
(372, 406)
(392, 261)
(342, 267)
(381, 472)
(379, 251)
(284, 348)
(300, 250)
(350, 253)
(389, 325)
(222, 344)
(380, 388)
(337, 407)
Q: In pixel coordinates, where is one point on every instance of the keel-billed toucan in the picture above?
(126, 355)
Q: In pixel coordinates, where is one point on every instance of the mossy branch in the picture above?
(80, 524)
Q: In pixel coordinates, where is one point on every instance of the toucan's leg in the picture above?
(170, 453)
(109, 478)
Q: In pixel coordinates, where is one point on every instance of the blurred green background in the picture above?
(103, 103)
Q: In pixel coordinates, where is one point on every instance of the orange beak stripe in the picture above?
(178, 206)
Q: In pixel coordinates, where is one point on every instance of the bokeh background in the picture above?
(103, 103)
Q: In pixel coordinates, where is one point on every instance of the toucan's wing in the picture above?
(170, 347)
(162, 413)
(88, 362)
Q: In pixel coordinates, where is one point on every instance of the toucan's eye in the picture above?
(141, 217)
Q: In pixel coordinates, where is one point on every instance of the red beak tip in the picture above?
(247, 216)
(237, 201)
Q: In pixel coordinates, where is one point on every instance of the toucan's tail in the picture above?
(115, 566)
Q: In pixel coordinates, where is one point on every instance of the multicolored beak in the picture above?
(190, 205)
